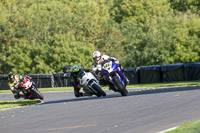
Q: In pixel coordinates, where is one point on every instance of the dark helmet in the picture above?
(76, 70)
(11, 77)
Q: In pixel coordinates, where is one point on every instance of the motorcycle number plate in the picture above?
(107, 66)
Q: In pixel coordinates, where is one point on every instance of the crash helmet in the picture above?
(11, 77)
(97, 57)
(76, 70)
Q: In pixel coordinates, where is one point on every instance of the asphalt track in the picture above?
(146, 111)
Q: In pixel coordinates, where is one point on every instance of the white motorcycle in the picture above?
(90, 84)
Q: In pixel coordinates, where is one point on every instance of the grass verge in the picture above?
(12, 104)
(187, 83)
(181, 83)
(190, 127)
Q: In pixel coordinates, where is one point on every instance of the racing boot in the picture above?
(127, 80)
(17, 96)
(122, 69)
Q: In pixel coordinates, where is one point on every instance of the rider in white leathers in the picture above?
(97, 64)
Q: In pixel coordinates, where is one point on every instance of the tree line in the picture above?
(43, 36)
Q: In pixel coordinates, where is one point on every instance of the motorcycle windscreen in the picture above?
(115, 66)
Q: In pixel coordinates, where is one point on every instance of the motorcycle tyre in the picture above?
(120, 87)
(100, 92)
(39, 95)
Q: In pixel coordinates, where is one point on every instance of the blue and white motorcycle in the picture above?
(114, 76)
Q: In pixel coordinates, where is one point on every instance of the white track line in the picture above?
(167, 130)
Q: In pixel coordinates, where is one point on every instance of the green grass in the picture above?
(46, 89)
(190, 127)
(187, 83)
(12, 104)
(56, 89)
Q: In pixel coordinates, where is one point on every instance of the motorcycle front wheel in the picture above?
(38, 94)
(120, 87)
(98, 89)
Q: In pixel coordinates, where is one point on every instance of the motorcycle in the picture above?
(90, 84)
(29, 89)
(115, 78)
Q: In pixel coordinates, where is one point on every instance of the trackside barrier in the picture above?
(143, 74)
(132, 74)
(150, 74)
(43, 80)
(4, 82)
(67, 69)
(61, 79)
(192, 71)
(173, 72)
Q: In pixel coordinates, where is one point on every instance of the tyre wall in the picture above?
(173, 72)
(139, 75)
(150, 74)
(132, 74)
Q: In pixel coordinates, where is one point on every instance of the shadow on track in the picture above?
(82, 99)
(117, 95)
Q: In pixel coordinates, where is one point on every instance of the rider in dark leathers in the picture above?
(74, 78)
(13, 81)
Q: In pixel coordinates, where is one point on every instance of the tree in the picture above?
(186, 5)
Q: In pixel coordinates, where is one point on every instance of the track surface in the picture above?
(147, 111)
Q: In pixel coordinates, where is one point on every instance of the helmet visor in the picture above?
(12, 79)
(97, 58)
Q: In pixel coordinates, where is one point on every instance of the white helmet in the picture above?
(97, 57)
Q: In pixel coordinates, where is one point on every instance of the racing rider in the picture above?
(13, 82)
(75, 80)
(97, 64)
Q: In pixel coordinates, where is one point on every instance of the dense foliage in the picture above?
(42, 36)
